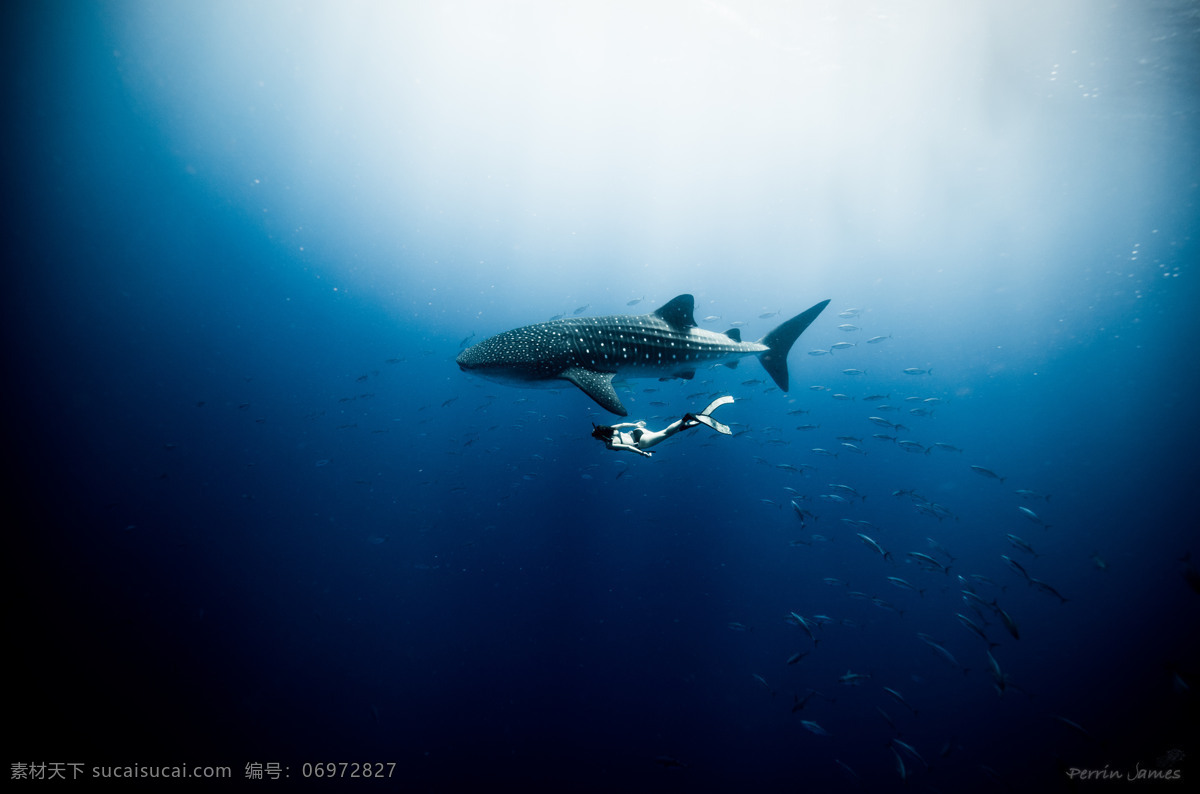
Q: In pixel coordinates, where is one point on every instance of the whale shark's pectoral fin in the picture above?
(598, 386)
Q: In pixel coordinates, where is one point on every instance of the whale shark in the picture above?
(590, 351)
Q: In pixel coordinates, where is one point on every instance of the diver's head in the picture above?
(602, 432)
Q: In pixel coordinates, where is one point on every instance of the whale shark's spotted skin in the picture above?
(590, 351)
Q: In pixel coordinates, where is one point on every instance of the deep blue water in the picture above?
(261, 516)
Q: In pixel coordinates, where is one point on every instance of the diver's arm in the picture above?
(619, 445)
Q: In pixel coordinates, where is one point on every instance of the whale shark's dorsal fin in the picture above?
(598, 386)
(679, 312)
(735, 334)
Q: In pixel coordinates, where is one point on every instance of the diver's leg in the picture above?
(649, 438)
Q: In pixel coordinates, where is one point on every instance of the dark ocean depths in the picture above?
(258, 516)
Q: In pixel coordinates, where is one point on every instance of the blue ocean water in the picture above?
(261, 516)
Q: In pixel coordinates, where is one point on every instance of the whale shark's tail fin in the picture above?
(780, 341)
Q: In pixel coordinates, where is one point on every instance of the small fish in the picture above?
(814, 728)
(853, 679)
(917, 371)
(1018, 543)
(1032, 516)
(904, 584)
(888, 605)
(942, 652)
(799, 620)
(849, 772)
(974, 600)
(798, 703)
(991, 475)
(854, 372)
(877, 339)
(735, 626)
(1009, 623)
(635, 301)
(796, 658)
(978, 577)
(934, 509)
(803, 514)
(1075, 726)
(999, 679)
(933, 544)
(842, 345)
(900, 770)
(581, 309)
(820, 352)
(870, 542)
(1016, 566)
(849, 314)
(900, 699)
(846, 489)
(1045, 588)
(908, 748)
(974, 628)
(847, 327)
